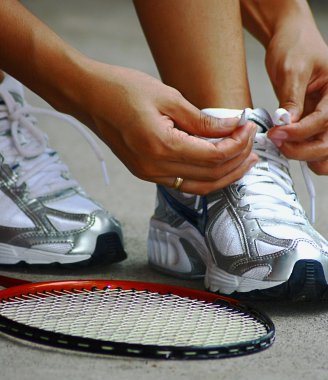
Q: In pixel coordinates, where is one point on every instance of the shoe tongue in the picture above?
(14, 87)
(262, 119)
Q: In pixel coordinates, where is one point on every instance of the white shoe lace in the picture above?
(268, 188)
(24, 147)
(282, 117)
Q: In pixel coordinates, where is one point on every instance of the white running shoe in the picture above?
(250, 239)
(45, 216)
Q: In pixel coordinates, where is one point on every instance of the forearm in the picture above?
(263, 18)
(40, 59)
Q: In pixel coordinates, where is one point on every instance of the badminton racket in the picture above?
(135, 319)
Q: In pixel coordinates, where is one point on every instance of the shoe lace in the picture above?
(283, 117)
(268, 188)
(24, 147)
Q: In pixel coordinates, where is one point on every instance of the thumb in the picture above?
(291, 95)
(200, 123)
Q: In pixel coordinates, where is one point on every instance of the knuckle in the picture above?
(217, 173)
(294, 69)
(215, 155)
(219, 155)
(244, 144)
(236, 148)
(171, 145)
(207, 122)
(175, 95)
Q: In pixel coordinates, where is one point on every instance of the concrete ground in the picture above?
(108, 30)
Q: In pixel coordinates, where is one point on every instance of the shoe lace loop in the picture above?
(30, 151)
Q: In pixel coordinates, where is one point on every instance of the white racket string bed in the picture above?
(132, 319)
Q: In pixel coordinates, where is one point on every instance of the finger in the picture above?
(198, 173)
(291, 91)
(313, 150)
(191, 149)
(317, 121)
(307, 128)
(205, 187)
(195, 122)
(180, 152)
(149, 169)
(319, 167)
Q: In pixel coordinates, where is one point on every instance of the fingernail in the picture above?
(254, 131)
(276, 142)
(252, 164)
(279, 135)
(251, 128)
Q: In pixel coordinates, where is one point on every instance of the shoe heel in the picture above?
(171, 253)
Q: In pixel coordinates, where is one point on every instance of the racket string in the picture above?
(133, 316)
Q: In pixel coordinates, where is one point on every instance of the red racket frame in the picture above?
(18, 287)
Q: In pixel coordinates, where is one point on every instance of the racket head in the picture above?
(167, 301)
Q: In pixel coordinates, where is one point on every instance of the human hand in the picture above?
(152, 129)
(297, 63)
(148, 125)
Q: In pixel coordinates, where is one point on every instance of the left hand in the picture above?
(297, 63)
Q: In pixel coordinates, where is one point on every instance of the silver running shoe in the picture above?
(45, 216)
(250, 239)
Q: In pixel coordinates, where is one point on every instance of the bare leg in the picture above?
(2, 76)
(199, 49)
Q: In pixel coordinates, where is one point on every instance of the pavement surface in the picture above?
(108, 30)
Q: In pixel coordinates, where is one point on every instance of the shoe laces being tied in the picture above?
(267, 188)
(25, 147)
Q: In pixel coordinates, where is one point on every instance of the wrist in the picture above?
(67, 85)
(264, 21)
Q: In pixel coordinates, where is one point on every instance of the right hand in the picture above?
(151, 128)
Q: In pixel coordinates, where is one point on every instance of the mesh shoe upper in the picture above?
(42, 208)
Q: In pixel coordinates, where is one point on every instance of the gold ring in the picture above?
(177, 183)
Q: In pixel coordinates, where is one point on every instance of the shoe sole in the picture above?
(109, 249)
(306, 283)
(168, 253)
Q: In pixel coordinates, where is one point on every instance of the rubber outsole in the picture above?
(307, 283)
(109, 249)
